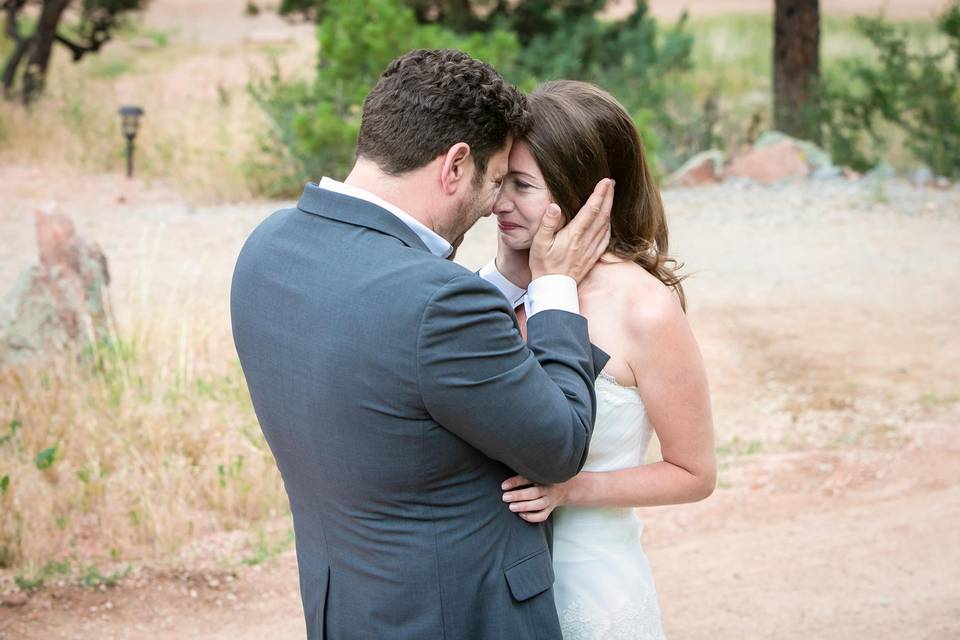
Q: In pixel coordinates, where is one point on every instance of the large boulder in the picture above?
(816, 158)
(703, 168)
(776, 157)
(768, 165)
(60, 303)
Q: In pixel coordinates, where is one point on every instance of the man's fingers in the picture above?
(551, 219)
(530, 505)
(586, 218)
(530, 493)
(607, 205)
(550, 223)
(599, 230)
(537, 516)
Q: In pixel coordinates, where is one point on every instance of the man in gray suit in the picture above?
(393, 385)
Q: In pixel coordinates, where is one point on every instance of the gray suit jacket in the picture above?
(396, 394)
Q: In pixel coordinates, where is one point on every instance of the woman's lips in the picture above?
(507, 226)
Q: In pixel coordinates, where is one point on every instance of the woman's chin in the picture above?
(517, 244)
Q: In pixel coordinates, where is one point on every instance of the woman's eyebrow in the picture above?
(523, 173)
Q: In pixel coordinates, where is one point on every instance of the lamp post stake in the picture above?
(130, 120)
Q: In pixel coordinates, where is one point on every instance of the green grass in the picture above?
(738, 446)
(936, 399)
(733, 64)
(133, 29)
(110, 67)
(85, 575)
(733, 53)
(263, 549)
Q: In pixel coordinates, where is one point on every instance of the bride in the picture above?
(655, 380)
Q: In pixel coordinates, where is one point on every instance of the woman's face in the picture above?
(523, 199)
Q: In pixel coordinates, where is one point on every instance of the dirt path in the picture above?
(827, 315)
(827, 318)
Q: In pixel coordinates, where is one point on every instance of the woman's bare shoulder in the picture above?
(648, 306)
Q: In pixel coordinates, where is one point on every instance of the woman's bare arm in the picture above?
(673, 385)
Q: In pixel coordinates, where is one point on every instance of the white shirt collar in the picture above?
(437, 245)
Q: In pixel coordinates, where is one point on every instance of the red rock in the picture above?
(703, 168)
(62, 301)
(768, 165)
(16, 599)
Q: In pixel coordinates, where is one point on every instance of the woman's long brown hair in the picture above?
(580, 134)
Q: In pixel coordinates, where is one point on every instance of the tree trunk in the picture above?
(796, 67)
(458, 14)
(13, 62)
(43, 40)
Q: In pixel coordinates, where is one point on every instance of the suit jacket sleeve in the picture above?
(599, 356)
(529, 405)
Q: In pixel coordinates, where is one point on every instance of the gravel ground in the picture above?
(827, 314)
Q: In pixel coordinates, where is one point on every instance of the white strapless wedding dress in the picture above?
(604, 588)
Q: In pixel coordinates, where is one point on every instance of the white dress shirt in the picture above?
(554, 291)
(437, 245)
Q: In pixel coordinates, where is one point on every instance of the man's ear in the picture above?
(455, 167)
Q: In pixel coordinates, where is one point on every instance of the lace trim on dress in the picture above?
(609, 378)
(634, 621)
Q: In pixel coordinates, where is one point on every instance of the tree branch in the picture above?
(12, 27)
(80, 50)
(10, 68)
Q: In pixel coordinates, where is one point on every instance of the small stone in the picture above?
(768, 165)
(193, 593)
(703, 168)
(16, 599)
(922, 176)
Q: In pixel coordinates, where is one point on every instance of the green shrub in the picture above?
(633, 59)
(314, 125)
(917, 92)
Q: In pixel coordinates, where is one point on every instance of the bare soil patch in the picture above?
(828, 322)
(827, 315)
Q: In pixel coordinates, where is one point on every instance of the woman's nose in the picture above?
(503, 204)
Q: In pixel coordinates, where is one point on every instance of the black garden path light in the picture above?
(130, 119)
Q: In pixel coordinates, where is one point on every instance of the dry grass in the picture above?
(133, 446)
(201, 132)
(150, 438)
(201, 128)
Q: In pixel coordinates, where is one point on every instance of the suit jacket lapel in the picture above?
(344, 208)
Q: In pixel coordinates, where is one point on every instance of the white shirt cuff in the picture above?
(510, 291)
(552, 292)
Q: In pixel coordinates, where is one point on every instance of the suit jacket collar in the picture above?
(361, 213)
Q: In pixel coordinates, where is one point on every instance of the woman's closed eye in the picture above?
(520, 184)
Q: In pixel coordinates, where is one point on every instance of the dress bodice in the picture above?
(622, 430)
(604, 586)
(621, 435)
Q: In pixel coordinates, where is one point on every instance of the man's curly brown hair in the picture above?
(429, 100)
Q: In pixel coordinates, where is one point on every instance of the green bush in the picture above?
(315, 125)
(633, 59)
(917, 92)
